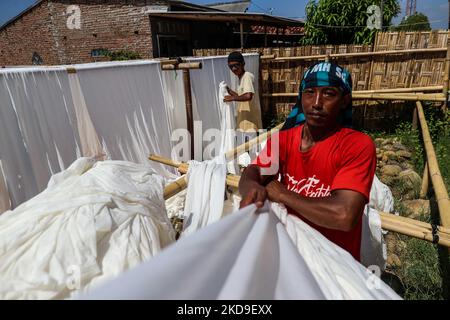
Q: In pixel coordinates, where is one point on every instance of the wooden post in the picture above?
(189, 112)
(446, 73)
(414, 119)
(265, 36)
(425, 182)
(187, 94)
(241, 26)
(438, 183)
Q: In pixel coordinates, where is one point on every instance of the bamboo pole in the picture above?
(396, 90)
(175, 187)
(360, 54)
(182, 66)
(189, 109)
(232, 154)
(413, 223)
(379, 96)
(446, 71)
(433, 166)
(425, 182)
(424, 235)
(268, 57)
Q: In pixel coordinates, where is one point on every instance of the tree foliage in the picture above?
(343, 21)
(416, 22)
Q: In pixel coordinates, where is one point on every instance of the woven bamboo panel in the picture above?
(368, 72)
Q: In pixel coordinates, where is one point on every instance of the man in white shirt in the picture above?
(248, 108)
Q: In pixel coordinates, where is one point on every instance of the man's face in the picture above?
(236, 67)
(322, 105)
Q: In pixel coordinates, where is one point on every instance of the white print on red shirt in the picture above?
(308, 187)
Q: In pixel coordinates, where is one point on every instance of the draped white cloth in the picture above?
(92, 223)
(249, 255)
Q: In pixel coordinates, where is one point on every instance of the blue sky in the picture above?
(436, 10)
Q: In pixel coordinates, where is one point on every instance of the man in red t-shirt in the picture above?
(320, 170)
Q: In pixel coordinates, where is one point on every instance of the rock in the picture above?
(399, 146)
(386, 141)
(391, 241)
(401, 246)
(416, 208)
(393, 261)
(390, 155)
(379, 156)
(410, 180)
(384, 158)
(387, 180)
(391, 170)
(403, 154)
(406, 165)
(378, 141)
(393, 162)
(388, 147)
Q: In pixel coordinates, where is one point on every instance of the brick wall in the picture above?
(105, 24)
(31, 33)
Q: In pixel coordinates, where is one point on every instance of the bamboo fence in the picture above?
(396, 60)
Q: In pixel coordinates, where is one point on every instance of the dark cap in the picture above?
(236, 56)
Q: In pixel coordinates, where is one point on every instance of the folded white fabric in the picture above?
(90, 224)
(249, 256)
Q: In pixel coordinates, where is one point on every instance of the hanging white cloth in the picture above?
(5, 201)
(205, 195)
(92, 223)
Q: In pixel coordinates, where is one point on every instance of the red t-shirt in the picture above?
(344, 160)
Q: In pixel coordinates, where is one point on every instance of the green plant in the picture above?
(123, 55)
(412, 139)
(416, 22)
(343, 21)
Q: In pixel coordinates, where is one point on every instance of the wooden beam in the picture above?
(435, 174)
(425, 182)
(189, 109)
(378, 96)
(446, 71)
(361, 54)
(182, 66)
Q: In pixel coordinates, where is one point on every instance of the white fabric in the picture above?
(243, 256)
(205, 195)
(128, 109)
(373, 247)
(227, 127)
(249, 256)
(338, 274)
(94, 222)
(90, 144)
(5, 201)
(38, 134)
(381, 197)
